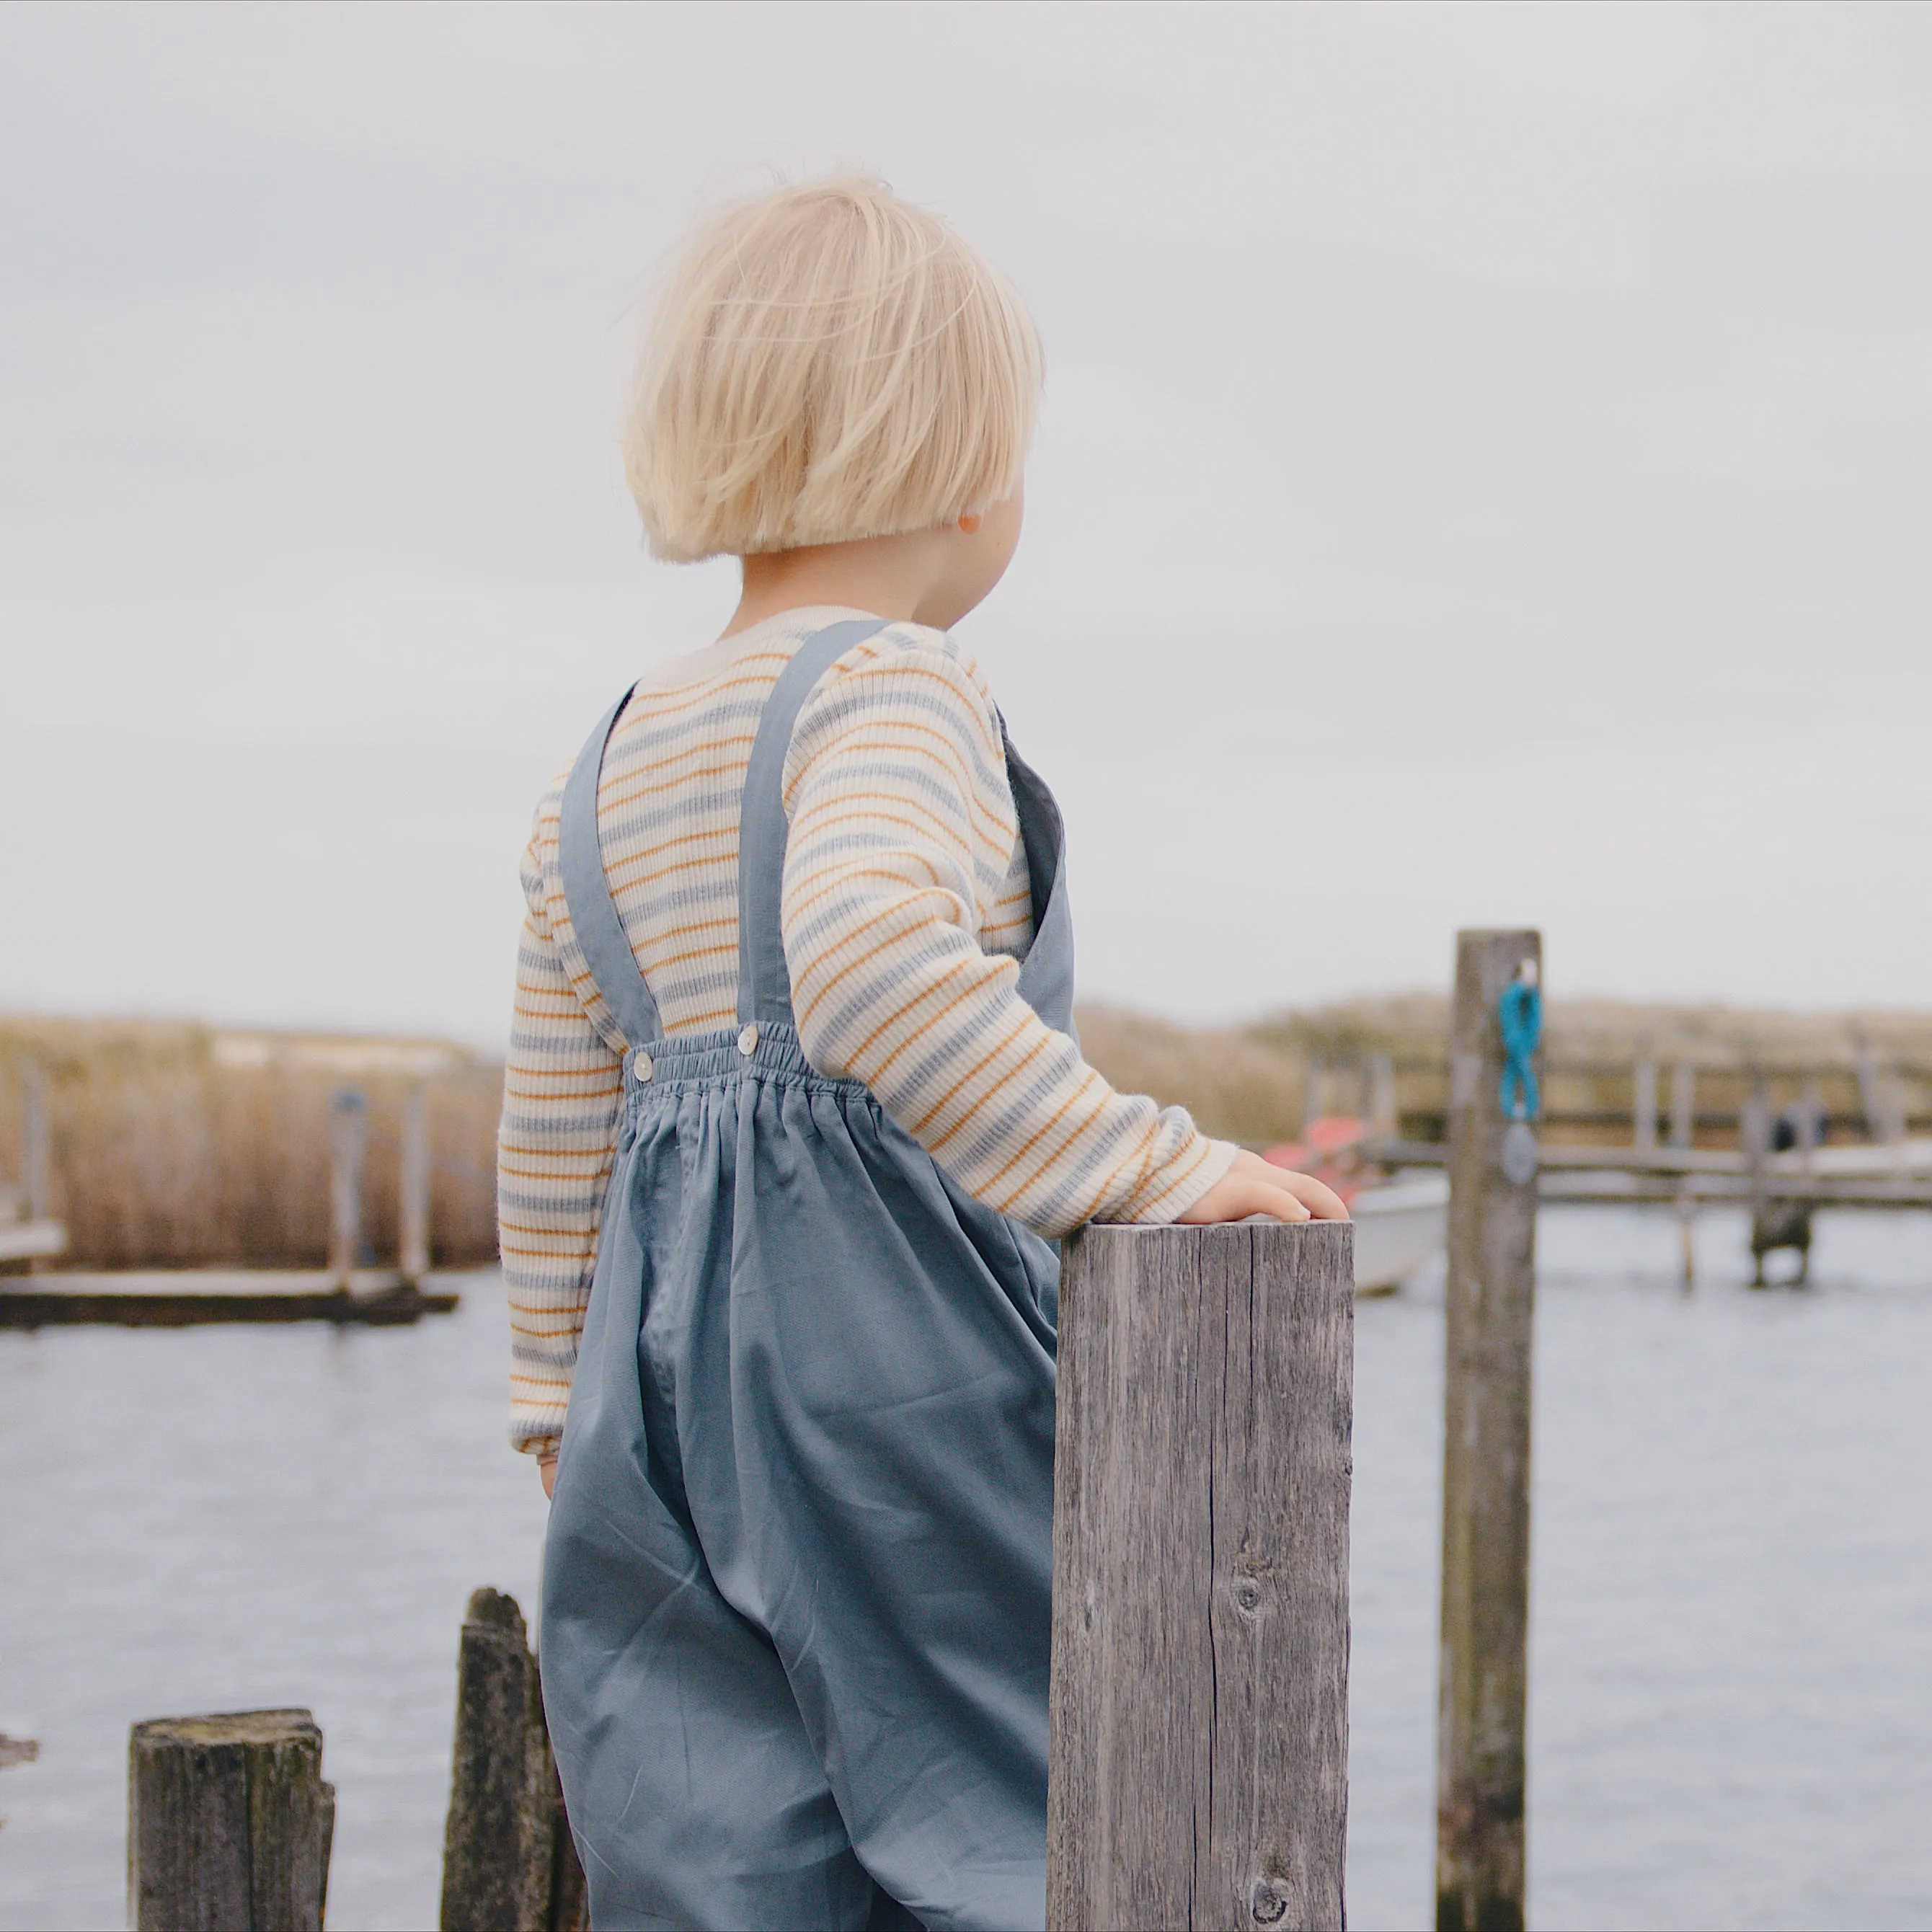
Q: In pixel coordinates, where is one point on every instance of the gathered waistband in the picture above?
(767, 1050)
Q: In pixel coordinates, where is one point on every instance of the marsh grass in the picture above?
(177, 1145)
(169, 1149)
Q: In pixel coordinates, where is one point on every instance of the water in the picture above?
(1731, 1674)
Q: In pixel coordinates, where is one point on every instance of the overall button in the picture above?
(748, 1042)
(641, 1069)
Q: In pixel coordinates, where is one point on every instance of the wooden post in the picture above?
(1683, 1105)
(1480, 1763)
(1200, 1672)
(414, 1257)
(1385, 1119)
(36, 1150)
(1878, 1095)
(348, 1142)
(229, 1824)
(509, 1864)
(1643, 1106)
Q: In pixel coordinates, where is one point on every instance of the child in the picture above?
(795, 1108)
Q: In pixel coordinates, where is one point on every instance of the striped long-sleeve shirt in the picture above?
(906, 908)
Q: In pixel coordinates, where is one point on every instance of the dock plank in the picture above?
(185, 1298)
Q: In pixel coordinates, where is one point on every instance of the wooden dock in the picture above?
(345, 1292)
(190, 1298)
(1626, 1176)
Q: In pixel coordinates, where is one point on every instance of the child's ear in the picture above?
(969, 524)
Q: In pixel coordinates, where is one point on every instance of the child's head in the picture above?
(827, 363)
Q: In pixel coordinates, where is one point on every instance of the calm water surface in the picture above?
(1731, 1720)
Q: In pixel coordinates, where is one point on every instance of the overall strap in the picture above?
(1046, 973)
(764, 981)
(587, 891)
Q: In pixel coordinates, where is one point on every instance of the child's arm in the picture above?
(561, 1092)
(902, 829)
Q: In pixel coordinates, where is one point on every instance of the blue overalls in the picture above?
(796, 1586)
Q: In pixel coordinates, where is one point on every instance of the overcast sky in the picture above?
(1483, 478)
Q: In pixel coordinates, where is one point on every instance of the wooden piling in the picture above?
(229, 1824)
(348, 1143)
(1683, 1105)
(1199, 1697)
(36, 1151)
(1480, 1766)
(413, 1259)
(509, 1864)
(1643, 1106)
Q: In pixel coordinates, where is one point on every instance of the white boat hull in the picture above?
(1401, 1225)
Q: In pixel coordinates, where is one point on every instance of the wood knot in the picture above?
(1247, 1596)
(1269, 1904)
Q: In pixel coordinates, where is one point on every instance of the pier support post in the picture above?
(1200, 1669)
(509, 1864)
(229, 1824)
(1683, 1105)
(348, 1143)
(413, 1259)
(1643, 1106)
(1480, 1763)
(36, 1150)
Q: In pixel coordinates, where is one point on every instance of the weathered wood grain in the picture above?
(508, 1862)
(1479, 1768)
(1199, 1753)
(229, 1824)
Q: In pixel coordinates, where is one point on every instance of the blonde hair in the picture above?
(827, 362)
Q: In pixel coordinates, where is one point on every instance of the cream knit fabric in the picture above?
(906, 907)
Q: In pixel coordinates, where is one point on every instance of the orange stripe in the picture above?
(845, 798)
(795, 910)
(818, 998)
(698, 952)
(1148, 1131)
(1178, 1181)
(897, 668)
(643, 704)
(1040, 1132)
(614, 867)
(958, 966)
(955, 764)
(967, 793)
(1019, 1027)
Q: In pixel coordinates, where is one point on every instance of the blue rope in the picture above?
(1519, 1014)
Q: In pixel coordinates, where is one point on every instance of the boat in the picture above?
(1401, 1225)
(1401, 1220)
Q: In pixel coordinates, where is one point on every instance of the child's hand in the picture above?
(547, 1469)
(1253, 1185)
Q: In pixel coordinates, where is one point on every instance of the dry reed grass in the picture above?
(176, 1145)
(170, 1148)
